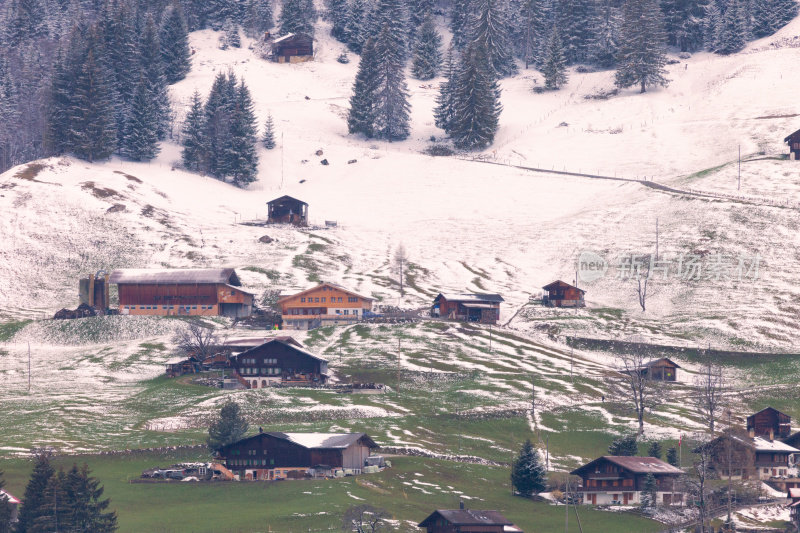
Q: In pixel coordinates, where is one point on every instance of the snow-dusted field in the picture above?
(466, 225)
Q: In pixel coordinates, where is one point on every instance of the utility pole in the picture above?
(571, 363)
(566, 507)
(728, 522)
(739, 183)
(656, 238)
(29, 366)
(490, 338)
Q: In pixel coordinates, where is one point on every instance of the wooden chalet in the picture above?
(275, 455)
(753, 457)
(468, 307)
(793, 140)
(185, 292)
(467, 520)
(562, 294)
(663, 369)
(292, 48)
(794, 506)
(287, 210)
(327, 304)
(770, 423)
(620, 480)
(13, 502)
(279, 362)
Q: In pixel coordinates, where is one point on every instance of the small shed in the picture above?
(663, 369)
(292, 48)
(793, 140)
(287, 210)
(467, 520)
(770, 423)
(469, 307)
(562, 294)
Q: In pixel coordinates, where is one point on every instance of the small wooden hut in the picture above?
(292, 48)
(793, 140)
(562, 294)
(287, 210)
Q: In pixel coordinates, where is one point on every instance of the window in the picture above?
(232, 293)
(323, 299)
(340, 299)
(303, 299)
(352, 299)
(316, 300)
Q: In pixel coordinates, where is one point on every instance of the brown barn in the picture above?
(198, 291)
(467, 520)
(292, 48)
(275, 455)
(620, 480)
(562, 294)
(663, 369)
(793, 140)
(754, 457)
(483, 308)
(769, 423)
(279, 361)
(287, 210)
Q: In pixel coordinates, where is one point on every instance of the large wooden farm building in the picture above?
(287, 210)
(769, 423)
(281, 360)
(483, 308)
(275, 455)
(620, 480)
(326, 304)
(206, 291)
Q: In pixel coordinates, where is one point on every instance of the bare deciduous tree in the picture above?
(399, 264)
(710, 388)
(699, 474)
(197, 340)
(364, 518)
(642, 278)
(641, 391)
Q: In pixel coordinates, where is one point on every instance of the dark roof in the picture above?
(323, 284)
(559, 283)
(169, 276)
(768, 409)
(793, 439)
(634, 463)
(657, 362)
(791, 135)
(288, 342)
(314, 441)
(468, 517)
(285, 198)
(469, 297)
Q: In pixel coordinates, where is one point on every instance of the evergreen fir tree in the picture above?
(554, 68)
(261, 17)
(5, 509)
(648, 498)
(446, 100)
(140, 140)
(34, 499)
(355, 27)
(294, 18)
(672, 456)
(427, 56)
(489, 27)
(122, 57)
(532, 19)
(361, 117)
(641, 57)
(459, 23)
(528, 474)
(92, 125)
(418, 11)
(216, 123)
(229, 427)
(55, 507)
(712, 25)
(268, 140)
(477, 100)
(391, 96)
(575, 28)
(392, 15)
(153, 70)
(732, 32)
(174, 39)
(241, 159)
(194, 146)
(683, 23)
(654, 450)
(86, 508)
(606, 25)
(338, 13)
(26, 22)
(232, 37)
(624, 446)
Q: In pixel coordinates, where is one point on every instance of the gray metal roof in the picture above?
(471, 297)
(289, 342)
(170, 276)
(634, 463)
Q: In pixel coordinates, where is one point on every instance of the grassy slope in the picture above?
(316, 505)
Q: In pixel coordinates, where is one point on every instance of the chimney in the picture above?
(771, 434)
(461, 504)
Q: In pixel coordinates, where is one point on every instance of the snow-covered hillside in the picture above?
(465, 224)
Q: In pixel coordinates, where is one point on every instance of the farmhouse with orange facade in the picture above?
(324, 305)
